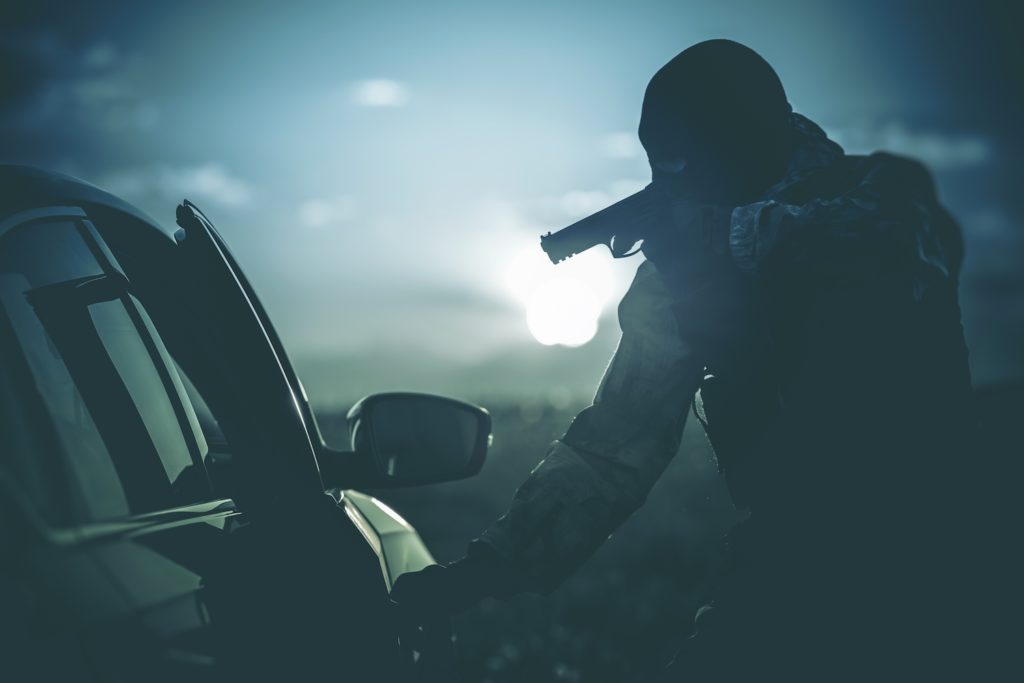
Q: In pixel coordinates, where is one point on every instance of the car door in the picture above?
(329, 611)
(143, 562)
(108, 460)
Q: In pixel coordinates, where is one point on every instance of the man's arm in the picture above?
(602, 469)
(890, 222)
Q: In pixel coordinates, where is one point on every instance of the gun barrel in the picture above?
(598, 228)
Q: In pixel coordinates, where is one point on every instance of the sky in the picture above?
(383, 170)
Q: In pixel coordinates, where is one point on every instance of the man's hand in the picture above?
(694, 233)
(432, 592)
(446, 590)
(654, 214)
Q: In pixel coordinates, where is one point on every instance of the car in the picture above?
(168, 508)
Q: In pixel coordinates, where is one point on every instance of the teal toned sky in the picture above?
(383, 169)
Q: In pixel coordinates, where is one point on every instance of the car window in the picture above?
(209, 425)
(123, 438)
(141, 379)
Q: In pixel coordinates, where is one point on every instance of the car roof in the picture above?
(26, 187)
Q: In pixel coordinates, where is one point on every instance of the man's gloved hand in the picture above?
(691, 232)
(444, 590)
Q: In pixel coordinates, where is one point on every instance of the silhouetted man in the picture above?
(811, 298)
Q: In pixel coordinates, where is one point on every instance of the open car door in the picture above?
(303, 591)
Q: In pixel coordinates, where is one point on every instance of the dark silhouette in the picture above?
(168, 511)
(809, 299)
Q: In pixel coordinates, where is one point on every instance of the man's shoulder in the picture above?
(887, 172)
(893, 172)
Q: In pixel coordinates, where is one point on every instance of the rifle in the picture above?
(619, 227)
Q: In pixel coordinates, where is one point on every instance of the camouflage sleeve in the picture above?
(602, 469)
(889, 222)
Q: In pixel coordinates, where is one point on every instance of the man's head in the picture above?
(719, 110)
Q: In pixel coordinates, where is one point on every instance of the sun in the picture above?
(563, 311)
(563, 303)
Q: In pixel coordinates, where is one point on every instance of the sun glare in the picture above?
(563, 311)
(564, 302)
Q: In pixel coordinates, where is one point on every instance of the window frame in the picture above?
(76, 529)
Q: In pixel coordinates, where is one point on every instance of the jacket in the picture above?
(836, 369)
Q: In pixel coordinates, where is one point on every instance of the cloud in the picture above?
(622, 145)
(380, 92)
(101, 55)
(623, 187)
(992, 222)
(105, 101)
(58, 85)
(943, 151)
(323, 213)
(580, 203)
(204, 182)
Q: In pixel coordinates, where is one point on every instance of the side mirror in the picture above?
(406, 439)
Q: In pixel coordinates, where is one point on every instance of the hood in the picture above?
(811, 151)
(721, 108)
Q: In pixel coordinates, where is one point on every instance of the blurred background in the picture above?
(383, 171)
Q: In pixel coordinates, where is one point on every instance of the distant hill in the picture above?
(556, 375)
